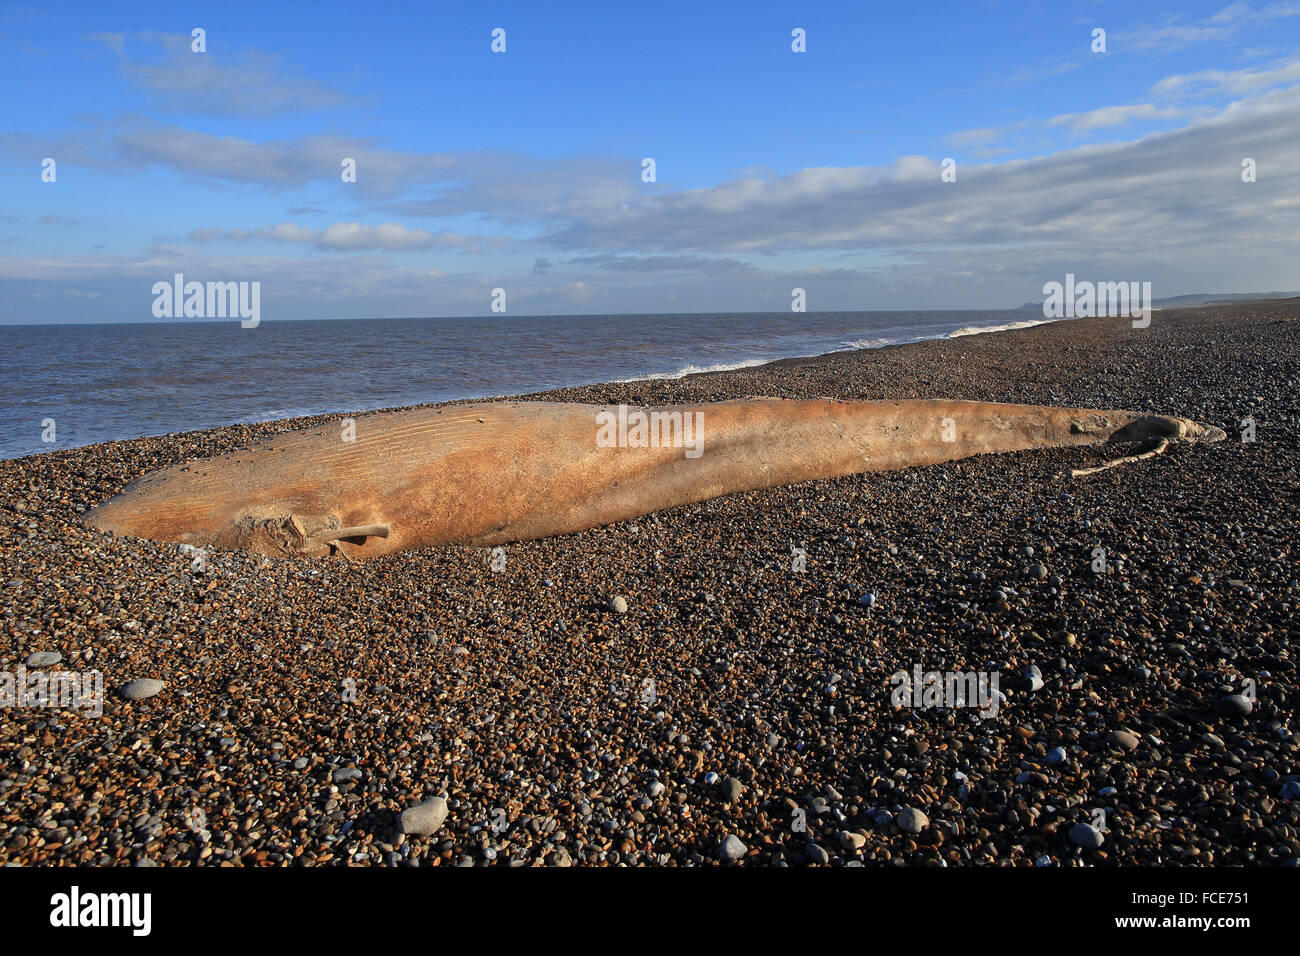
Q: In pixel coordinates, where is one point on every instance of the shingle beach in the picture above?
(670, 691)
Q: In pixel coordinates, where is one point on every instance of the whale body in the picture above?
(487, 474)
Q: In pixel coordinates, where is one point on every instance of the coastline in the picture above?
(261, 387)
(463, 675)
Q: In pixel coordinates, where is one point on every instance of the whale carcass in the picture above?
(491, 473)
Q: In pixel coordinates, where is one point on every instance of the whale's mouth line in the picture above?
(291, 535)
(334, 540)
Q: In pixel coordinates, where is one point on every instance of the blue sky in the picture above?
(522, 170)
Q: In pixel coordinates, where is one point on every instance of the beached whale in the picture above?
(488, 474)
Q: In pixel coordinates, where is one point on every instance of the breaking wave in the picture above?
(977, 329)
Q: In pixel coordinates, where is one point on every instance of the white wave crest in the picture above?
(697, 369)
(868, 343)
(978, 329)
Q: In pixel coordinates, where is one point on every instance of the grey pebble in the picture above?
(912, 820)
(732, 789)
(1236, 705)
(852, 841)
(424, 818)
(1122, 738)
(143, 688)
(732, 849)
(1086, 836)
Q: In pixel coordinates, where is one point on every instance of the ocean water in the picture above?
(107, 382)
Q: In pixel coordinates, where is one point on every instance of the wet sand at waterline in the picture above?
(726, 699)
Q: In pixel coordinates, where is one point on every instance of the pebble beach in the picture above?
(671, 691)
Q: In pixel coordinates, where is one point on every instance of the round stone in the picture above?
(423, 818)
(1086, 836)
(143, 688)
(1035, 678)
(1235, 705)
(852, 841)
(732, 789)
(618, 604)
(732, 849)
(1122, 738)
(912, 820)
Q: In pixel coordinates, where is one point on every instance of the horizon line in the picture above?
(569, 315)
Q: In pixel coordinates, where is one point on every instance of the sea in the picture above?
(63, 386)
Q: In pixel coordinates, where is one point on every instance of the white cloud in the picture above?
(347, 236)
(508, 187)
(1177, 188)
(966, 138)
(1236, 82)
(1226, 23)
(247, 82)
(1114, 116)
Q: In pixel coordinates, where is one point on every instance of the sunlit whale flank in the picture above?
(491, 473)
